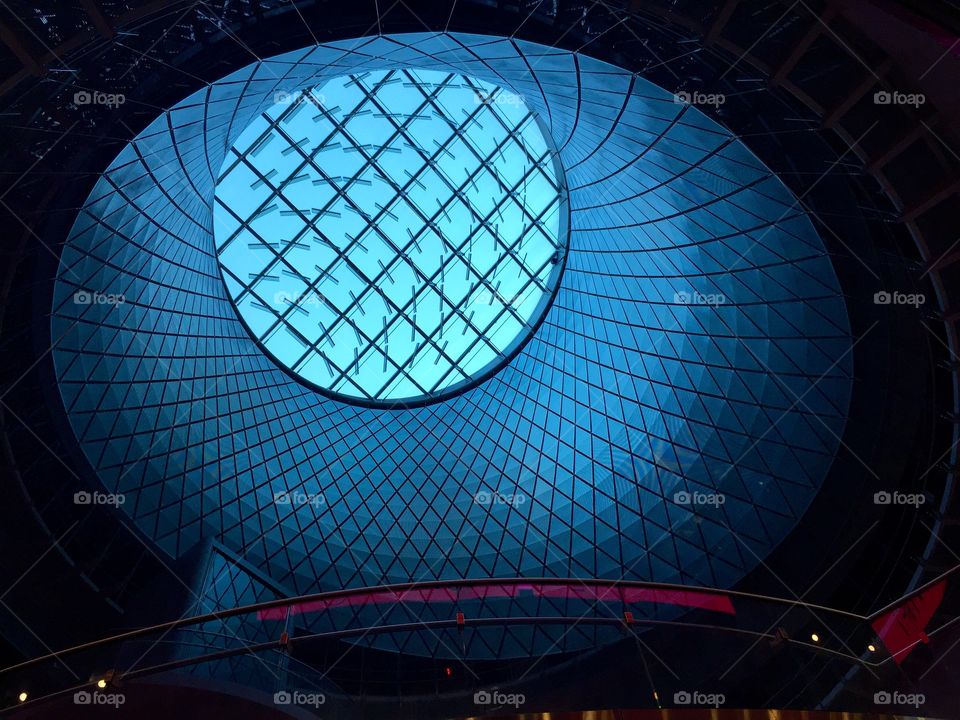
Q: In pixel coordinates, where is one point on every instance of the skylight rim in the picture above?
(559, 206)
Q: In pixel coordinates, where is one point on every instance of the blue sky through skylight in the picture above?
(391, 235)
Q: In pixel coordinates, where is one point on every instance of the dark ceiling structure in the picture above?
(448, 359)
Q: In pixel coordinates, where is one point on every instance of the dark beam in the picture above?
(951, 315)
(97, 17)
(945, 260)
(10, 39)
(720, 21)
(898, 146)
(800, 49)
(854, 96)
(935, 198)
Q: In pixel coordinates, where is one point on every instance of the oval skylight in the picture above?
(392, 236)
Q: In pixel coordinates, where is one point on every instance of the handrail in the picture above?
(279, 644)
(400, 588)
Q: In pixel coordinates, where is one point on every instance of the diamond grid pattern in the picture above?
(225, 585)
(444, 233)
(631, 390)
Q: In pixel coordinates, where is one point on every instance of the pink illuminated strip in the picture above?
(684, 598)
(904, 628)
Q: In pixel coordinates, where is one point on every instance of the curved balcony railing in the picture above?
(629, 606)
